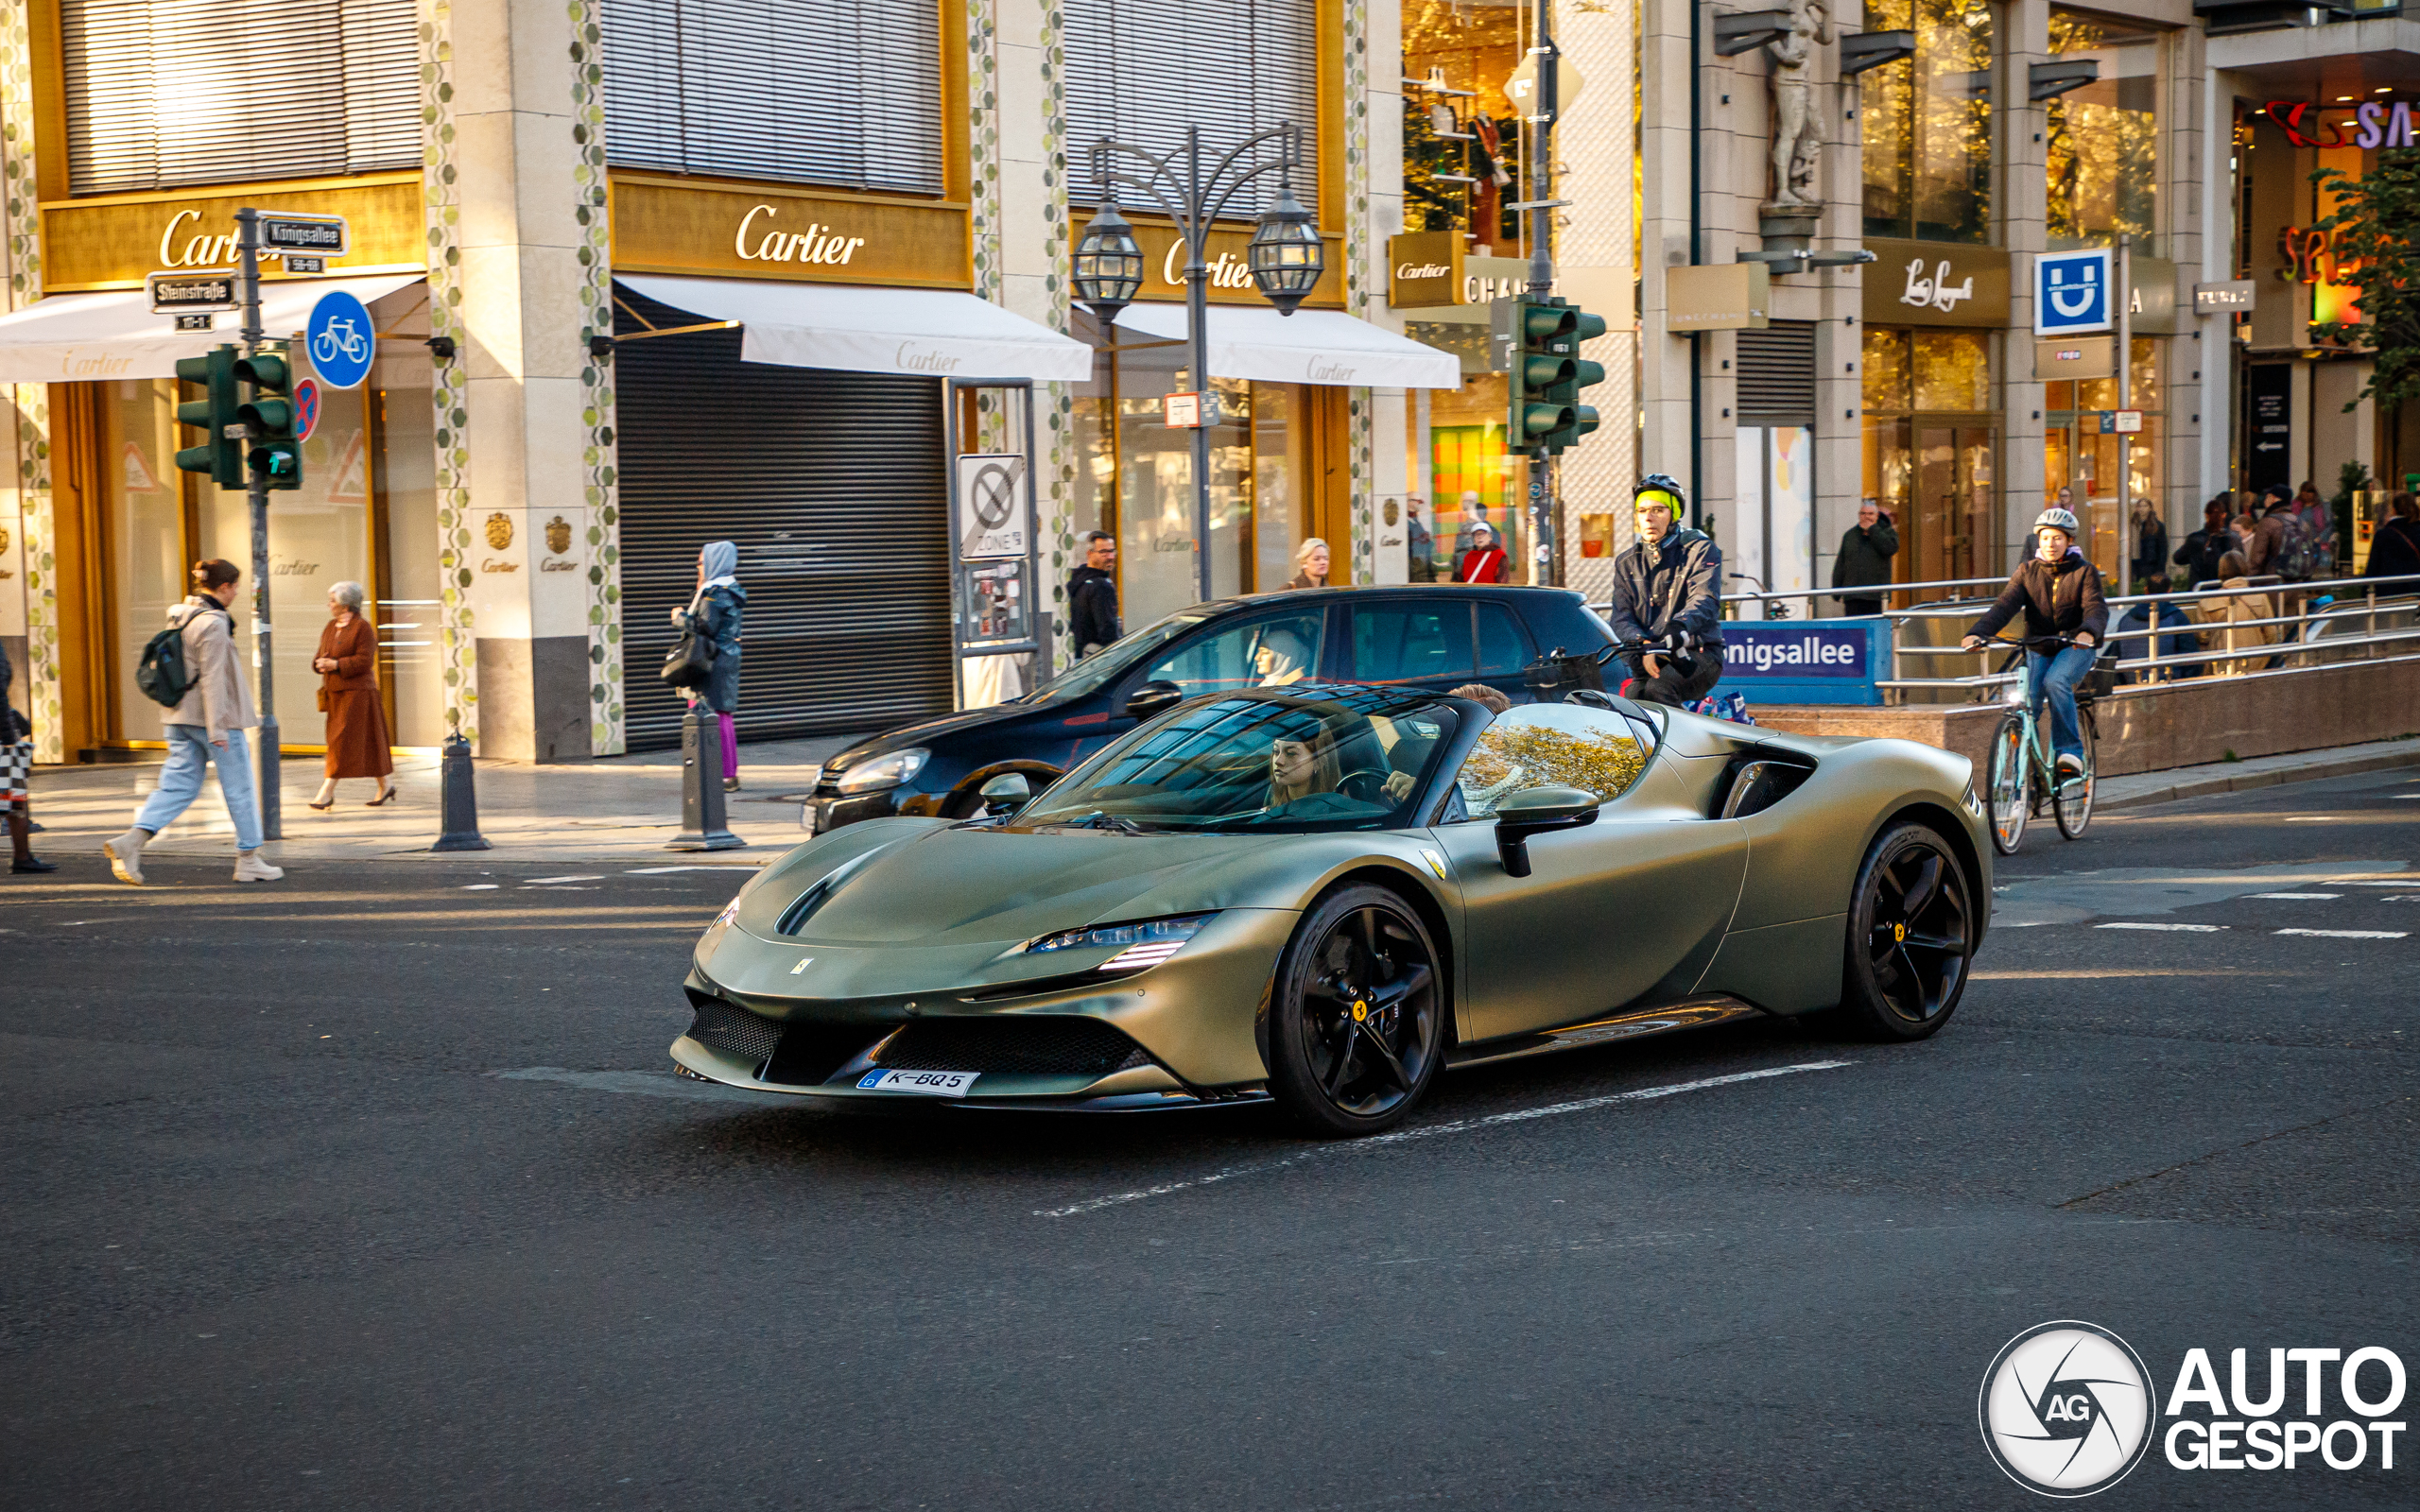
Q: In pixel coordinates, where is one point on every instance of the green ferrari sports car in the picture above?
(1323, 895)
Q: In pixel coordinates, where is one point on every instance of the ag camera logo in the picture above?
(2066, 1409)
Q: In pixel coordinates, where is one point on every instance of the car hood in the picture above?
(928, 884)
(925, 732)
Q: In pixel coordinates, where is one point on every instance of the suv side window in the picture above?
(1268, 651)
(1411, 640)
(1503, 648)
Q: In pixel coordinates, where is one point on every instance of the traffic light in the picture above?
(1539, 365)
(220, 455)
(276, 455)
(1579, 373)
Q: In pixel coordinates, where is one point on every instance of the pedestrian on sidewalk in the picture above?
(2394, 551)
(2149, 564)
(1311, 564)
(1864, 558)
(716, 614)
(1420, 546)
(16, 778)
(1484, 561)
(2233, 612)
(204, 730)
(358, 742)
(1092, 596)
(2203, 549)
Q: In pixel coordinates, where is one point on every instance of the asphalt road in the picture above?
(371, 1190)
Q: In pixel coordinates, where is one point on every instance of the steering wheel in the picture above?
(1373, 790)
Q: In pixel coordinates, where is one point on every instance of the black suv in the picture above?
(1433, 636)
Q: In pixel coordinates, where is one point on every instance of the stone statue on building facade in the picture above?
(1797, 141)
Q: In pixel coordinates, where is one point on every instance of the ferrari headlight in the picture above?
(1146, 944)
(721, 925)
(885, 771)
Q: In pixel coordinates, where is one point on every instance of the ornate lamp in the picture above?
(1285, 255)
(1108, 264)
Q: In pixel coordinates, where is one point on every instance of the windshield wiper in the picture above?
(1101, 819)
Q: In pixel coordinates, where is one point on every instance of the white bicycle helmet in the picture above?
(2056, 518)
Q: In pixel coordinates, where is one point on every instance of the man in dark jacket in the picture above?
(1092, 596)
(2203, 549)
(2060, 593)
(1667, 584)
(2272, 535)
(1864, 558)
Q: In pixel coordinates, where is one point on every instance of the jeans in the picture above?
(190, 754)
(2057, 675)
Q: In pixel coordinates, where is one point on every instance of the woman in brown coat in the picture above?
(348, 668)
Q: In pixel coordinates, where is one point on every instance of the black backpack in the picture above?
(161, 674)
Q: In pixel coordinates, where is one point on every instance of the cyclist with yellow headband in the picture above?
(1666, 589)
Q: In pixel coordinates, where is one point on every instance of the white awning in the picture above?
(77, 338)
(1307, 346)
(932, 332)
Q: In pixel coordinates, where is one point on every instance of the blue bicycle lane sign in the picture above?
(2071, 293)
(340, 339)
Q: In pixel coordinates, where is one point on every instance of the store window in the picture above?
(1931, 452)
(1463, 139)
(1927, 123)
(2102, 142)
(2081, 461)
(1470, 479)
(818, 93)
(165, 93)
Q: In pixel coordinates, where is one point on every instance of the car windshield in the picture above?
(1106, 664)
(1319, 757)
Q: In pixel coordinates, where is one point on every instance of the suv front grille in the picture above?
(734, 1030)
(1034, 1045)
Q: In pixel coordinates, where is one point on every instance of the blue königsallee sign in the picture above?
(1805, 662)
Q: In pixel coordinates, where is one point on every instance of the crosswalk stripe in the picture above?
(2347, 934)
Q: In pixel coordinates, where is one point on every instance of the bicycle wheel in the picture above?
(2071, 801)
(2004, 795)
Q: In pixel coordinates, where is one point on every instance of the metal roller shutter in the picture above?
(836, 92)
(295, 89)
(831, 485)
(1777, 374)
(1141, 72)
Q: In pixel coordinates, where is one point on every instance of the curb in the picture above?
(2216, 782)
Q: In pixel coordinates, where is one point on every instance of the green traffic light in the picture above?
(219, 455)
(276, 455)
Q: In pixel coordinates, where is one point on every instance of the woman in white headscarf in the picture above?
(719, 607)
(1281, 658)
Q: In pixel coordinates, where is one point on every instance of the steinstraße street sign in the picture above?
(995, 506)
(310, 236)
(340, 339)
(211, 288)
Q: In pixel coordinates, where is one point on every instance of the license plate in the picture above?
(920, 1083)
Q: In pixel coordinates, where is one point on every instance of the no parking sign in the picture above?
(307, 408)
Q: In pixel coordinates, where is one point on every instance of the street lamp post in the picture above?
(1285, 256)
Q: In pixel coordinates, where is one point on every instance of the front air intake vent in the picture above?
(734, 1030)
(1016, 1044)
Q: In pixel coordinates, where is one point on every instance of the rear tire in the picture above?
(2071, 802)
(2004, 795)
(1911, 936)
(1356, 1024)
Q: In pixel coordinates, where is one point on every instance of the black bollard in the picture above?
(702, 821)
(458, 799)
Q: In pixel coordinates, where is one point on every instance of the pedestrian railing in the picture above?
(2316, 625)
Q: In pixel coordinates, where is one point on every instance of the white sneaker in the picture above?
(126, 856)
(250, 867)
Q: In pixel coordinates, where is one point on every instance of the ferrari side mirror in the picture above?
(1151, 698)
(1537, 810)
(1006, 793)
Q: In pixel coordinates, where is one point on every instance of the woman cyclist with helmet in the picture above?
(2065, 616)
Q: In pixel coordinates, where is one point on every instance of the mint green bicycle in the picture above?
(2023, 771)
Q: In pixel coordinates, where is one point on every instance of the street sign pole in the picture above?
(2124, 313)
(1541, 500)
(248, 243)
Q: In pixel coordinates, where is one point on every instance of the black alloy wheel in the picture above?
(2071, 802)
(1357, 1016)
(1911, 932)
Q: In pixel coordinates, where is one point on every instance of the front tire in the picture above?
(1910, 932)
(1357, 1015)
(2004, 795)
(2071, 802)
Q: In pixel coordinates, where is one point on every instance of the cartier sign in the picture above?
(1936, 283)
(1423, 269)
(114, 241)
(685, 228)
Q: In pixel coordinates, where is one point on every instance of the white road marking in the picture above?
(586, 876)
(2313, 897)
(2404, 795)
(658, 871)
(2345, 933)
(2182, 929)
(2310, 818)
(1457, 1126)
(481, 886)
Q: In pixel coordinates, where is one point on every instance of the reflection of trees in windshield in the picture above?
(1508, 757)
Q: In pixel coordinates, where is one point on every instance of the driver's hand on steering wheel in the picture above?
(1398, 785)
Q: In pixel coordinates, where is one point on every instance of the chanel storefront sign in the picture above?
(1936, 283)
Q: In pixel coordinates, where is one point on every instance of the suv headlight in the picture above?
(885, 771)
(1146, 943)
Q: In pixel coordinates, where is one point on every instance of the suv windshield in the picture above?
(1321, 757)
(1104, 665)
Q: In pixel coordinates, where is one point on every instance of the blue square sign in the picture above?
(2071, 293)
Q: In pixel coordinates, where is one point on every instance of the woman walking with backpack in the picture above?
(205, 728)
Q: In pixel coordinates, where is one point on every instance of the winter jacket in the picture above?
(1672, 586)
(1092, 610)
(717, 618)
(2151, 550)
(218, 701)
(2394, 551)
(1865, 557)
(2202, 551)
(1481, 565)
(2059, 599)
(2268, 540)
